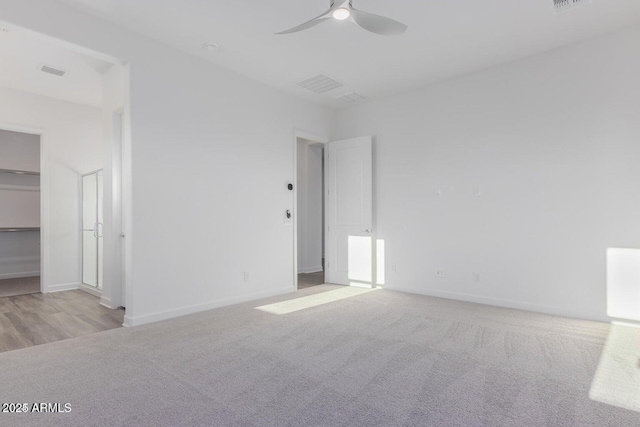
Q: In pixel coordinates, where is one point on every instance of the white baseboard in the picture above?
(105, 302)
(62, 287)
(90, 290)
(499, 302)
(19, 275)
(307, 270)
(183, 311)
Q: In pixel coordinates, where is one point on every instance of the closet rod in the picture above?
(19, 172)
(14, 229)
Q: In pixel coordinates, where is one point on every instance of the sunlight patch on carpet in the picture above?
(315, 300)
(617, 379)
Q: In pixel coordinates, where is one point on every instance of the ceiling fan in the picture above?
(343, 10)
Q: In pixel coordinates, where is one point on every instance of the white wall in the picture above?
(211, 155)
(551, 143)
(72, 137)
(211, 159)
(20, 151)
(310, 207)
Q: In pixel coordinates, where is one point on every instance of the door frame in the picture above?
(44, 199)
(373, 231)
(125, 197)
(118, 293)
(299, 133)
(114, 262)
(85, 286)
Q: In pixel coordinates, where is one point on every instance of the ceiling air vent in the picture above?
(53, 70)
(320, 84)
(350, 97)
(563, 5)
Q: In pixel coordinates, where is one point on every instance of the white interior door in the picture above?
(90, 230)
(92, 221)
(100, 191)
(349, 193)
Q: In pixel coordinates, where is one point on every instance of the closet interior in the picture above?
(19, 213)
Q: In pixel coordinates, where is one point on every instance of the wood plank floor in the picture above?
(28, 320)
(310, 279)
(19, 286)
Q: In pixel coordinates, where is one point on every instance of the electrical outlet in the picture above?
(440, 273)
(476, 277)
(246, 276)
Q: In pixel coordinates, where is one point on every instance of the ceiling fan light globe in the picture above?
(341, 14)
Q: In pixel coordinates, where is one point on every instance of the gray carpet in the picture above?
(377, 359)
(19, 286)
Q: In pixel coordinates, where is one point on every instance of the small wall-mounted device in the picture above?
(290, 186)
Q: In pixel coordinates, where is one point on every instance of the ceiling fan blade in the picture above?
(377, 24)
(309, 24)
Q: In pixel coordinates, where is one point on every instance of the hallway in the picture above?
(310, 279)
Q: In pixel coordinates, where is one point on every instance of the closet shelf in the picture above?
(19, 172)
(14, 229)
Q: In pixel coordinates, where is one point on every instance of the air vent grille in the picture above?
(320, 84)
(350, 97)
(53, 70)
(563, 5)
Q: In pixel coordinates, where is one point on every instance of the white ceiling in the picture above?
(445, 38)
(22, 55)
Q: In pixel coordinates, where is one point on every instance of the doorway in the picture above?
(75, 102)
(310, 213)
(334, 238)
(19, 213)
